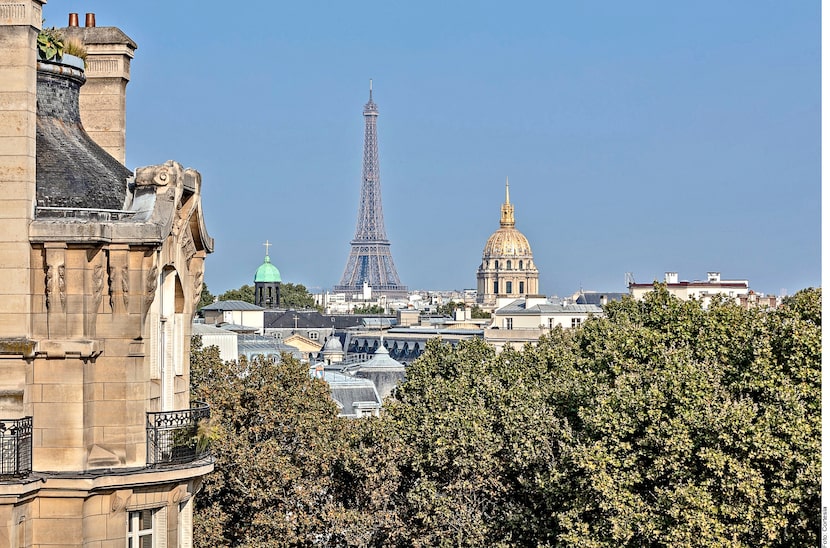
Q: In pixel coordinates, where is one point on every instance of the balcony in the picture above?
(173, 437)
(15, 447)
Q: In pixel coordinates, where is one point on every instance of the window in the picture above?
(495, 287)
(509, 287)
(521, 265)
(551, 323)
(497, 265)
(313, 335)
(509, 265)
(575, 322)
(140, 526)
(521, 288)
(508, 323)
(186, 524)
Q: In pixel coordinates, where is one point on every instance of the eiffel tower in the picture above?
(370, 260)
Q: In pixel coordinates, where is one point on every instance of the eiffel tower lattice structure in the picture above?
(370, 259)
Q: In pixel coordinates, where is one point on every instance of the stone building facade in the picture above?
(100, 272)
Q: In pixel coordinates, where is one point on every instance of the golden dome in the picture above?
(507, 242)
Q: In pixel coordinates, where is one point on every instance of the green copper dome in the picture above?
(267, 273)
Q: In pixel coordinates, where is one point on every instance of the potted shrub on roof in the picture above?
(53, 46)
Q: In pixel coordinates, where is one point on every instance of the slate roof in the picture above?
(72, 170)
(306, 319)
(231, 305)
(257, 344)
(518, 307)
(206, 329)
(381, 361)
(596, 298)
(347, 390)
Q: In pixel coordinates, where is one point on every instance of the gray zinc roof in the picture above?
(231, 305)
(518, 307)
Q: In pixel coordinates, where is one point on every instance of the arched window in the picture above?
(509, 266)
(497, 265)
(521, 265)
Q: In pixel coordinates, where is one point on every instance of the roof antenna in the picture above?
(370, 90)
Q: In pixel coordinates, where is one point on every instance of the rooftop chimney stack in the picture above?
(103, 100)
(73, 19)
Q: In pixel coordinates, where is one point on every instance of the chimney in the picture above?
(103, 100)
(19, 24)
(713, 277)
(671, 277)
(73, 20)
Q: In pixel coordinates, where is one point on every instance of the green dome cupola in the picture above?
(267, 282)
(267, 272)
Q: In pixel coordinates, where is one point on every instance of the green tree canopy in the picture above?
(244, 293)
(291, 295)
(295, 296)
(369, 309)
(661, 424)
(205, 298)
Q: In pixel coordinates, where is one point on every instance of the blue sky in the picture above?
(642, 136)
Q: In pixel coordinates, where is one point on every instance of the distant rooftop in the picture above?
(231, 305)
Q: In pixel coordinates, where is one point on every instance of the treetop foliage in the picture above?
(661, 424)
(291, 295)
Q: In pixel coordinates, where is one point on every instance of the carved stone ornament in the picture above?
(151, 284)
(188, 245)
(55, 283)
(48, 285)
(119, 280)
(168, 173)
(197, 286)
(62, 285)
(97, 285)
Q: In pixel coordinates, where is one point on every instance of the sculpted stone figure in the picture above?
(169, 172)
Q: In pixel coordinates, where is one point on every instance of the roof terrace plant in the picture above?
(50, 44)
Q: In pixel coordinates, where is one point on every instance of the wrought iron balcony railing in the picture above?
(173, 437)
(15, 447)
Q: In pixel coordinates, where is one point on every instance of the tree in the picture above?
(272, 473)
(477, 437)
(661, 424)
(244, 293)
(291, 295)
(693, 426)
(289, 471)
(296, 296)
(205, 298)
(369, 309)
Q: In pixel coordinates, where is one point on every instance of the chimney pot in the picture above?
(73, 19)
(90, 20)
